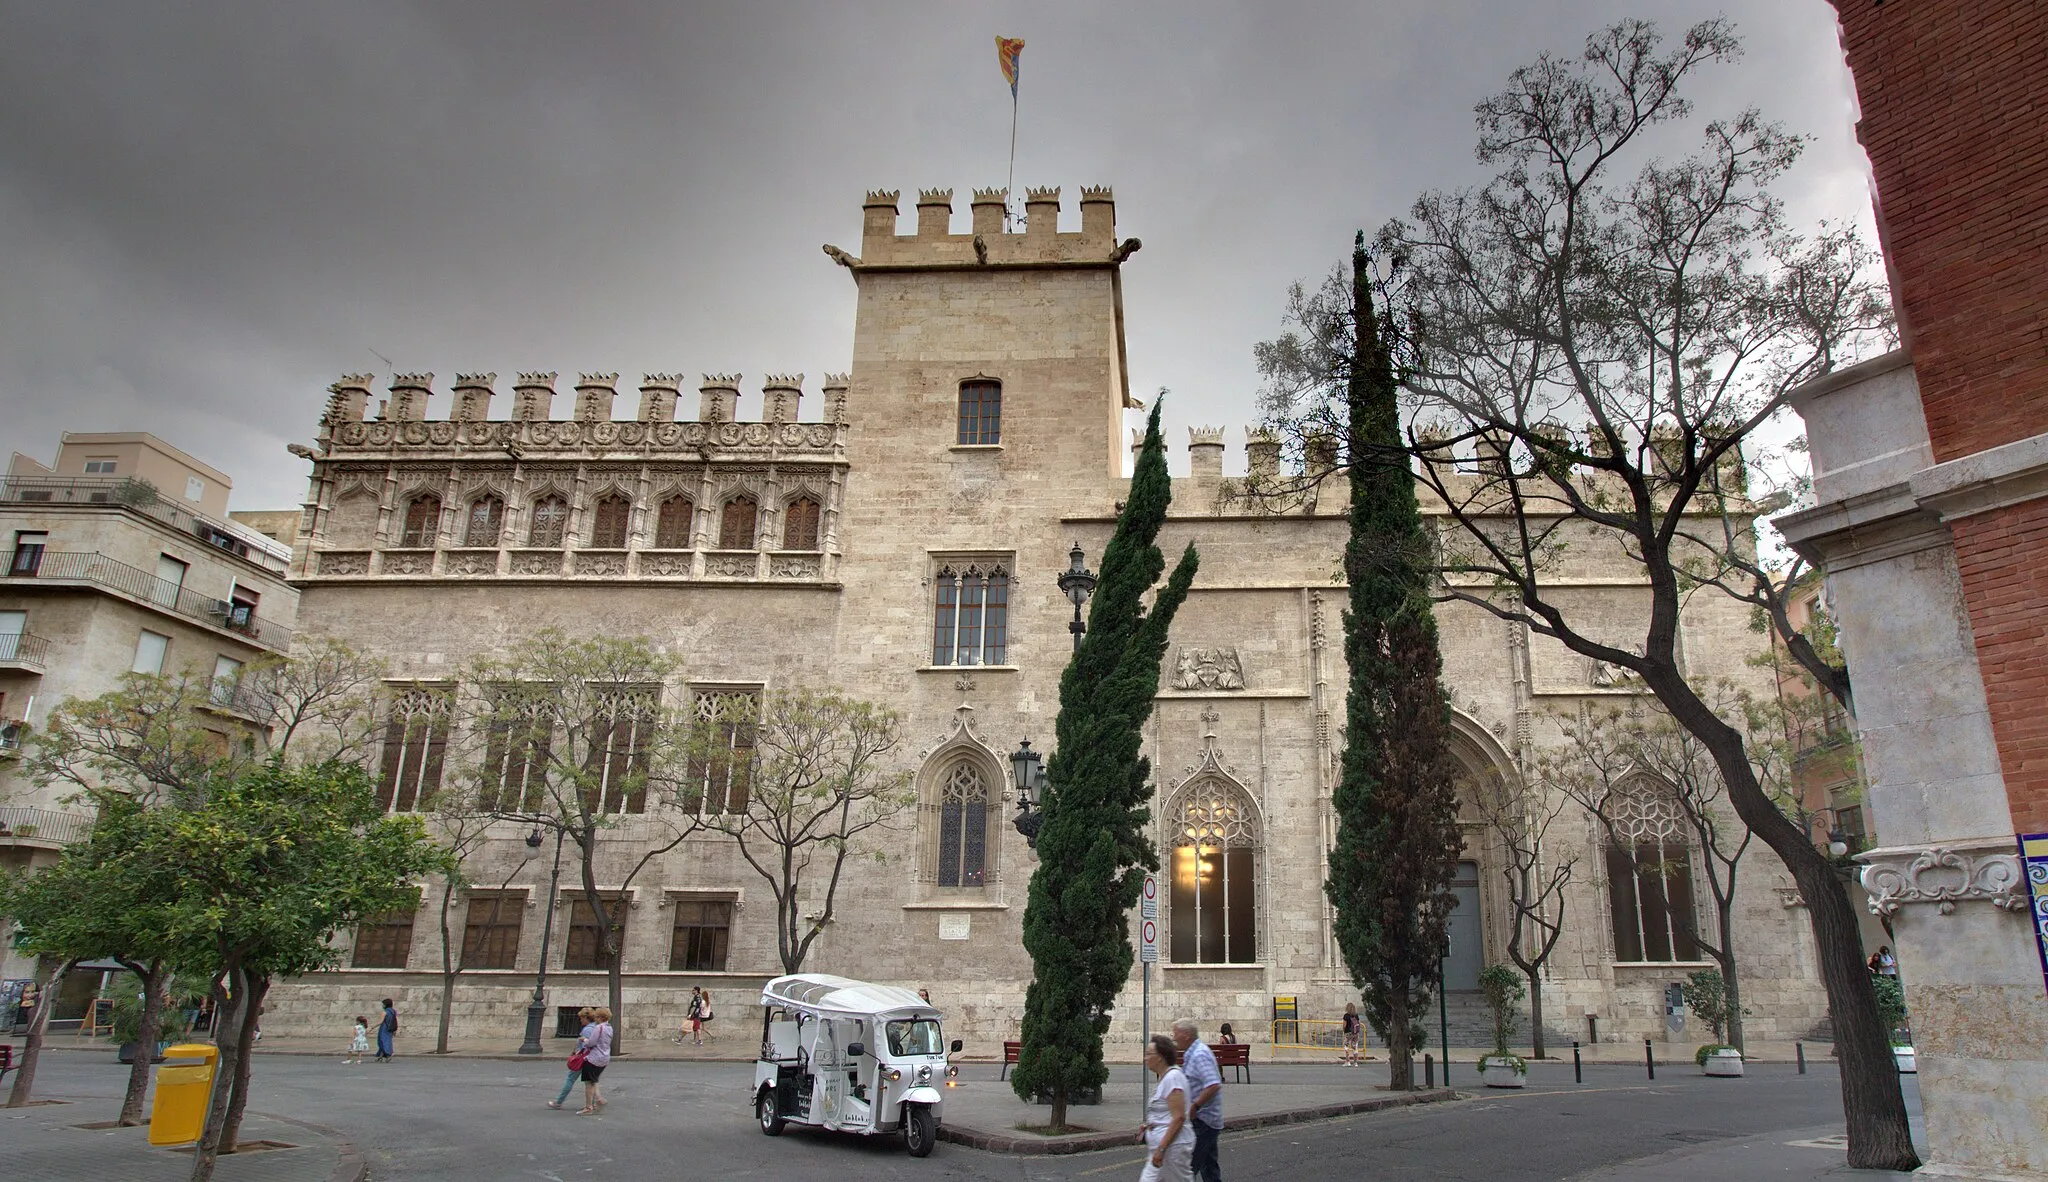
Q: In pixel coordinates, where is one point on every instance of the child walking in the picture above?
(359, 1045)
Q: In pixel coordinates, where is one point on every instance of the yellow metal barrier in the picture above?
(178, 1116)
(1309, 1034)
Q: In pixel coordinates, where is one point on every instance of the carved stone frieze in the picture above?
(1208, 669)
(1945, 875)
(601, 563)
(345, 562)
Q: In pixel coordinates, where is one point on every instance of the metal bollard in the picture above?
(1578, 1069)
(1650, 1058)
(1799, 1048)
(1429, 1071)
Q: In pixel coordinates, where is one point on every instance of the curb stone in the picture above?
(1090, 1142)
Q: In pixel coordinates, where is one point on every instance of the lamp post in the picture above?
(537, 1009)
(1079, 583)
(1027, 767)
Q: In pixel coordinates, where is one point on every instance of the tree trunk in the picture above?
(32, 1046)
(238, 1101)
(1400, 1044)
(1879, 1138)
(147, 1034)
(227, 1035)
(1535, 1016)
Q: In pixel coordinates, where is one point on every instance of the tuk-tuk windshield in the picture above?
(919, 1036)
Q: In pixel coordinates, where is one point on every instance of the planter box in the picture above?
(1904, 1057)
(1502, 1073)
(1724, 1063)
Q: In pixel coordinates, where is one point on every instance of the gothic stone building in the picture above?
(900, 542)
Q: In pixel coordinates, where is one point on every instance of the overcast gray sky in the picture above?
(208, 211)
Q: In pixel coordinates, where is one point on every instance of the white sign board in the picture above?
(1148, 941)
(1148, 903)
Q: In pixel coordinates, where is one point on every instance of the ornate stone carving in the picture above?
(345, 562)
(600, 564)
(473, 562)
(1944, 875)
(1208, 669)
(793, 566)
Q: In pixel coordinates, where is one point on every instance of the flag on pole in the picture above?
(1008, 50)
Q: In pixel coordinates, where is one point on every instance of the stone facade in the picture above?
(912, 496)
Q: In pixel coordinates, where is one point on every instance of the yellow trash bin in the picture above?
(183, 1089)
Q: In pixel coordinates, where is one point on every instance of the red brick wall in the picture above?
(1954, 98)
(2005, 583)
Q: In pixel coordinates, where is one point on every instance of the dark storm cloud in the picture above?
(208, 211)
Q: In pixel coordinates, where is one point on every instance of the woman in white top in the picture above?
(1166, 1117)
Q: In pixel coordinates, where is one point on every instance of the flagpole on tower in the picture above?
(1008, 51)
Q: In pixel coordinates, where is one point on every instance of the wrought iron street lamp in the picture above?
(537, 1009)
(1027, 767)
(1079, 583)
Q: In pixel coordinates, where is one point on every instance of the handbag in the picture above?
(576, 1059)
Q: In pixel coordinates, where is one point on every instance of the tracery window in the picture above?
(675, 524)
(981, 412)
(550, 519)
(1212, 905)
(721, 764)
(608, 524)
(800, 525)
(486, 522)
(736, 524)
(415, 747)
(971, 616)
(963, 826)
(1649, 876)
(422, 520)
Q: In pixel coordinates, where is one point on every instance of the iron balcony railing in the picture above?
(24, 648)
(140, 496)
(88, 567)
(28, 823)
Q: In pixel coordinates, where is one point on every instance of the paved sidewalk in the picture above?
(45, 1140)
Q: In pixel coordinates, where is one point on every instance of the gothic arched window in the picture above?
(736, 524)
(550, 519)
(608, 524)
(422, 520)
(673, 527)
(1212, 907)
(963, 826)
(1649, 875)
(800, 525)
(486, 521)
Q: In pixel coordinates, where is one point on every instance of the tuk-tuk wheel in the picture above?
(920, 1130)
(771, 1120)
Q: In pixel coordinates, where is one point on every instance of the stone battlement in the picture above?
(989, 240)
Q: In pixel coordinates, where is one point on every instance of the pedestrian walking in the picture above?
(583, 1019)
(1354, 1035)
(360, 1043)
(387, 1030)
(595, 1046)
(1166, 1130)
(1205, 1098)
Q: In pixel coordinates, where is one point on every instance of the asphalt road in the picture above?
(468, 1120)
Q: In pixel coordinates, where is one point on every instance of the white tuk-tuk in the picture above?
(847, 1055)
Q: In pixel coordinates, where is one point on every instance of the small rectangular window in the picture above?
(150, 650)
(702, 936)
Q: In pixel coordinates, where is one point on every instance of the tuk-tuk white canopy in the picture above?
(825, 993)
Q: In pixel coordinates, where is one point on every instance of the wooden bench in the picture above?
(1011, 1052)
(1235, 1054)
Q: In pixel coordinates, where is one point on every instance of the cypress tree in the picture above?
(1093, 843)
(1397, 815)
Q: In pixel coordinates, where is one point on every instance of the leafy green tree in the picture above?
(1092, 843)
(1397, 812)
(253, 882)
(818, 777)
